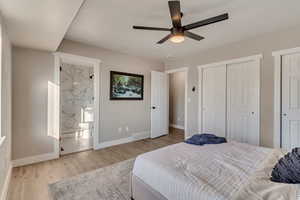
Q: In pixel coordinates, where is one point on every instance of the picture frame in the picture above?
(126, 86)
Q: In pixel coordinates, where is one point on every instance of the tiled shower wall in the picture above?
(76, 98)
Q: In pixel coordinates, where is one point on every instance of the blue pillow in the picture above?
(287, 170)
(202, 139)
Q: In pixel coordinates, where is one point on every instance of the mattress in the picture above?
(220, 172)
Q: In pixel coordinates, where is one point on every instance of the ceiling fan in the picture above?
(179, 32)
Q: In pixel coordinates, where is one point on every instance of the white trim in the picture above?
(57, 61)
(286, 52)
(259, 63)
(182, 69)
(95, 63)
(186, 132)
(2, 139)
(134, 137)
(6, 184)
(81, 59)
(277, 92)
(186, 70)
(232, 61)
(200, 77)
(277, 102)
(256, 58)
(34, 159)
(98, 97)
(51, 156)
(177, 126)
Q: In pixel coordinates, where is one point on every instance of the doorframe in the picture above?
(277, 140)
(186, 70)
(59, 58)
(257, 58)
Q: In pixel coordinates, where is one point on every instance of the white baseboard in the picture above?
(6, 184)
(177, 126)
(55, 155)
(34, 159)
(134, 137)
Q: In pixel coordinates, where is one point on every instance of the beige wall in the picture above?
(116, 114)
(5, 148)
(177, 97)
(264, 44)
(33, 69)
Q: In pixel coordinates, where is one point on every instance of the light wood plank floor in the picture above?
(31, 182)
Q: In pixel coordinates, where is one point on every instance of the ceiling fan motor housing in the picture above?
(177, 31)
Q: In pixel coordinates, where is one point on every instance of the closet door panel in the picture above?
(290, 101)
(243, 102)
(214, 100)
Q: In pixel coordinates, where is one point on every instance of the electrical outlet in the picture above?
(127, 129)
(120, 129)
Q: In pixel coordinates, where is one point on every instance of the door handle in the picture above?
(284, 114)
(153, 107)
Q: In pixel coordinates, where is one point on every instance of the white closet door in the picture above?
(290, 101)
(243, 102)
(214, 100)
(159, 104)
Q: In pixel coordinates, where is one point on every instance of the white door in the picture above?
(214, 100)
(159, 104)
(290, 101)
(243, 88)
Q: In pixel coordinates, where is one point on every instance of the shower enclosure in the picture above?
(76, 108)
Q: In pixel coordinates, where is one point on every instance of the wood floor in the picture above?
(31, 182)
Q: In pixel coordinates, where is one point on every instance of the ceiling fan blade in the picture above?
(193, 35)
(164, 39)
(151, 28)
(175, 13)
(207, 21)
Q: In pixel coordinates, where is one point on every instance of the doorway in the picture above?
(160, 102)
(76, 107)
(177, 101)
(286, 99)
(78, 110)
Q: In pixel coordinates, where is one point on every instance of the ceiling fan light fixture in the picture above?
(178, 32)
(177, 38)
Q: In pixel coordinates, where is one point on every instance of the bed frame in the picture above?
(142, 191)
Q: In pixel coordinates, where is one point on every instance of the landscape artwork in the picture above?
(126, 86)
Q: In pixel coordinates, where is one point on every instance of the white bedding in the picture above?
(230, 171)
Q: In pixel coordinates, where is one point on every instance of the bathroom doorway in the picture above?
(78, 80)
(76, 107)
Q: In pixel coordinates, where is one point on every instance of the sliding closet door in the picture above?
(243, 102)
(214, 100)
(290, 101)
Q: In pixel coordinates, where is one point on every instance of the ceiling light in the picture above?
(178, 38)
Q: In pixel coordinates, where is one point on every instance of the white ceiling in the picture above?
(39, 24)
(42, 24)
(109, 23)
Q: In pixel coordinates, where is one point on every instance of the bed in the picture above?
(229, 171)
